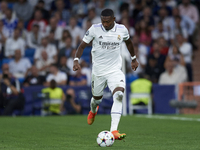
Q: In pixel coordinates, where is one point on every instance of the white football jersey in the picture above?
(106, 47)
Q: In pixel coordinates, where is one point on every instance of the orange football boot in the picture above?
(91, 117)
(118, 136)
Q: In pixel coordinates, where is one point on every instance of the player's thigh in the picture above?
(116, 79)
(98, 85)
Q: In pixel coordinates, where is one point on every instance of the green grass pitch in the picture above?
(73, 133)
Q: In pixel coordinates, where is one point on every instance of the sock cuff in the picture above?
(118, 94)
(97, 101)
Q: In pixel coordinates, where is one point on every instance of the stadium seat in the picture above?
(136, 107)
(29, 52)
(31, 60)
(86, 58)
(130, 78)
(6, 60)
(10, 5)
(87, 51)
(21, 80)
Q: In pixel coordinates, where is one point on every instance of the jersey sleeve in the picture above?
(89, 35)
(126, 34)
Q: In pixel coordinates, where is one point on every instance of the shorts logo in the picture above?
(87, 33)
(101, 37)
(119, 37)
(121, 80)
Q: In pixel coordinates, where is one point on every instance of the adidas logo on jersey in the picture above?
(121, 81)
(101, 37)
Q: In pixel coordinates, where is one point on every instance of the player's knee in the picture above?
(118, 95)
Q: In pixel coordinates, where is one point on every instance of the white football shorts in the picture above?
(113, 80)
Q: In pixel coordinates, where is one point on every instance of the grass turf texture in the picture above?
(73, 133)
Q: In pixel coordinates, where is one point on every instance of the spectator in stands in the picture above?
(70, 101)
(171, 3)
(146, 15)
(78, 79)
(13, 43)
(159, 31)
(131, 30)
(66, 51)
(58, 76)
(70, 60)
(174, 54)
(141, 52)
(45, 46)
(10, 22)
(4, 33)
(163, 15)
(23, 10)
(163, 46)
(3, 9)
(57, 99)
(124, 11)
(61, 22)
(174, 73)
(44, 63)
(34, 37)
(52, 39)
(188, 9)
(85, 69)
(138, 8)
(79, 6)
(19, 67)
(38, 19)
(60, 8)
(144, 33)
(23, 31)
(11, 97)
(75, 31)
(61, 43)
(45, 13)
(62, 65)
(185, 23)
(155, 64)
(178, 29)
(33, 78)
(53, 27)
(91, 16)
(163, 4)
(185, 49)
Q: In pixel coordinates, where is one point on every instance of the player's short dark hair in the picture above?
(107, 12)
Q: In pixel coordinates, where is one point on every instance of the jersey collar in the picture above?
(113, 29)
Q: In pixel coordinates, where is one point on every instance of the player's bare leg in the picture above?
(116, 112)
(94, 106)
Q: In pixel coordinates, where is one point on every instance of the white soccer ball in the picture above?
(105, 139)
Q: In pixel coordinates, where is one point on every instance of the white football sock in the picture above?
(116, 110)
(94, 103)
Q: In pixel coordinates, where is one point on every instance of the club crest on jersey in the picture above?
(119, 37)
(87, 33)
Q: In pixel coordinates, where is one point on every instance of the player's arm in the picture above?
(79, 53)
(129, 45)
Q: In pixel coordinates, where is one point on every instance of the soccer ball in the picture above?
(105, 139)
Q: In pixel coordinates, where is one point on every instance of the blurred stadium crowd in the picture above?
(38, 39)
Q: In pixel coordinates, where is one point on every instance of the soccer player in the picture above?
(107, 38)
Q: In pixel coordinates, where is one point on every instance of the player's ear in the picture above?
(113, 18)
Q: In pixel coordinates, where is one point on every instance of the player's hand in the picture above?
(76, 65)
(134, 64)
